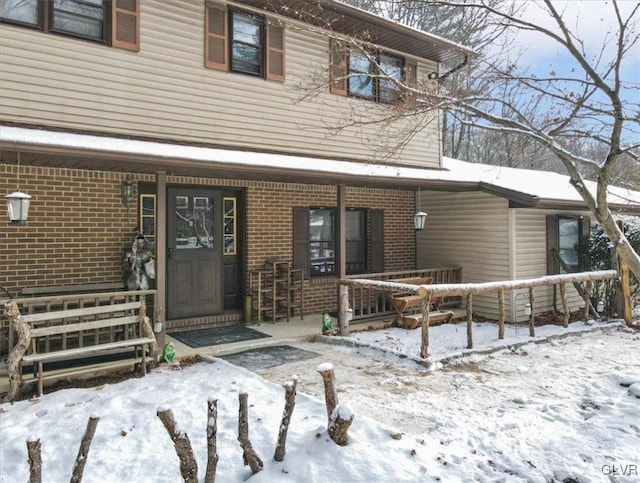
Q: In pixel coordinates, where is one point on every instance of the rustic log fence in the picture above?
(367, 302)
(468, 290)
(339, 420)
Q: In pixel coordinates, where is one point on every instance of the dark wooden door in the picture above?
(194, 258)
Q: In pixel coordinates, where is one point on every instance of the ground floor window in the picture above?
(564, 235)
(316, 235)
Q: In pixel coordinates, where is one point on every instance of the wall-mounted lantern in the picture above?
(18, 204)
(18, 207)
(128, 195)
(420, 217)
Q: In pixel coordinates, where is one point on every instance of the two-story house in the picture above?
(203, 107)
(229, 134)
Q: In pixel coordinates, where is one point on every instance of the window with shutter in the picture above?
(314, 240)
(126, 24)
(244, 42)
(564, 241)
(115, 22)
(376, 76)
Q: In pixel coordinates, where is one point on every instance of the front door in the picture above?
(194, 245)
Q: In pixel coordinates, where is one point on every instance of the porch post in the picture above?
(343, 290)
(161, 254)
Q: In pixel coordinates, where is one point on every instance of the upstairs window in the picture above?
(113, 22)
(239, 41)
(247, 40)
(368, 76)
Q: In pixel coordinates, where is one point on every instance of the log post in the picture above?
(14, 362)
(625, 282)
(469, 321)
(289, 404)
(532, 326)
(147, 331)
(424, 348)
(343, 323)
(35, 460)
(249, 455)
(212, 446)
(339, 424)
(330, 393)
(83, 451)
(501, 314)
(565, 305)
(587, 299)
(188, 464)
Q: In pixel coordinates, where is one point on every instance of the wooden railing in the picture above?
(34, 305)
(469, 289)
(367, 302)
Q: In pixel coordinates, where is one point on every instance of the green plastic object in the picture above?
(327, 324)
(168, 353)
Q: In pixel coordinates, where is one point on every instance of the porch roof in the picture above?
(523, 188)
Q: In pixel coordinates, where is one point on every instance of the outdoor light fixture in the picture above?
(600, 307)
(18, 204)
(420, 217)
(128, 195)
(433, 76)
(527, 306)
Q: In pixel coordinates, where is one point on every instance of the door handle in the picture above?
(170, 253)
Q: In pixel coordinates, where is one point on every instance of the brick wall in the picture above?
(78, 229)
(270, 229)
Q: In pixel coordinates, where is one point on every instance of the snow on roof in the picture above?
(511, 183)
(544, 185)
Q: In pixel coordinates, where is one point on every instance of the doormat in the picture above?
(264, 357)
(217, 335)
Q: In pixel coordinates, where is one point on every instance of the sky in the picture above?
(564, 409)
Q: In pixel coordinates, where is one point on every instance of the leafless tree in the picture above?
(583, 101)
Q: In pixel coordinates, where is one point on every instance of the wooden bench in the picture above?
(403, 301)
(75, 334)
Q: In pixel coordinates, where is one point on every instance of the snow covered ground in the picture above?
(566, 410)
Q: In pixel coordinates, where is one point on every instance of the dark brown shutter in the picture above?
(338, 68)
(585, 231)
(301, 239)
(215, 38)
(275, 52)
(411, 73)
(377, 241)
(125, 32)
(552, 245)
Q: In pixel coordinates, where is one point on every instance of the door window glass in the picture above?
(194, 222)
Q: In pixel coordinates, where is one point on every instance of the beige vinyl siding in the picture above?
(469, 229)
(531, 261)
(164, 91)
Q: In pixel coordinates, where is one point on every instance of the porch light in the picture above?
(527, 309)
(600, 307)
(128, 195)
(420, 217)
(18, 207)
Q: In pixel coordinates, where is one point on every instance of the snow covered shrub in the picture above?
(596, 250)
